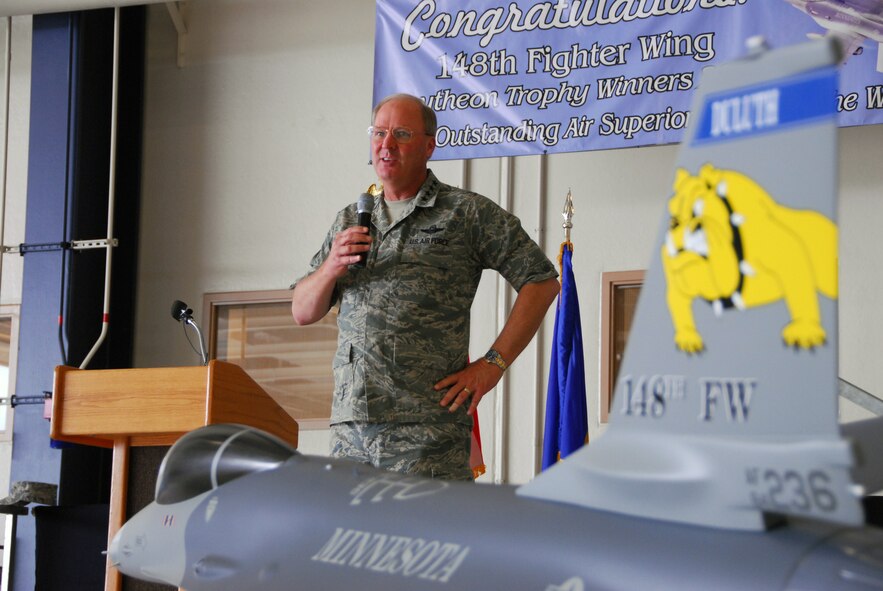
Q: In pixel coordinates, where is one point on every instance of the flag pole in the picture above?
(566, 425)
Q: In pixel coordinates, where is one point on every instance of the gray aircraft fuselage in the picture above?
(314, 523)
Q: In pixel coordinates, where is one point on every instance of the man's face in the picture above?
(401, 165)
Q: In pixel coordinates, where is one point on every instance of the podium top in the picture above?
(156, 406)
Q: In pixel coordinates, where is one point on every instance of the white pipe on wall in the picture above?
(111, 191)
(539, 416)
(501, 408)
(5, 161)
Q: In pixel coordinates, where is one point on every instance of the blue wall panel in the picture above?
(39, 353)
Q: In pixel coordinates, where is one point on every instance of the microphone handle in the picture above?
(202, 351)
(364, 220)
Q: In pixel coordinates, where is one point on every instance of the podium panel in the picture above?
(155, 406)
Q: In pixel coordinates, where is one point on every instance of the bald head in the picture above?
(430, 122)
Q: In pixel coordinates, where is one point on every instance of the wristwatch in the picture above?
(494, 358)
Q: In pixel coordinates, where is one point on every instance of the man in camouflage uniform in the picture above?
(401, 374)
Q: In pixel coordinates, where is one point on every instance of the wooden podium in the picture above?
(121, 408)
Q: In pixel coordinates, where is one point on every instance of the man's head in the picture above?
(402, 140)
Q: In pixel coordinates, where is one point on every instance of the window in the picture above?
(8, 356)
(619, 298)
(292, 363)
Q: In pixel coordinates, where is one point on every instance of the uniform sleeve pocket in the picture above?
(343, 356)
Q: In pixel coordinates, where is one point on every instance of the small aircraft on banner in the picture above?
(853, 21)
(723, 466)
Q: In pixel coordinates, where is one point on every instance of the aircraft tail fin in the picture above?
(725, 410)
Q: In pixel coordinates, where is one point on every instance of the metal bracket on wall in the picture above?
(51, 246)
(46, 400)
(14, 400)
(178, 13)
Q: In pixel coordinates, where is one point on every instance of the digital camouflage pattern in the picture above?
(404, 317)
(433, 450)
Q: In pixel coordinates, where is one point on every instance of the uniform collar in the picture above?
(425, 197)
(428, 191)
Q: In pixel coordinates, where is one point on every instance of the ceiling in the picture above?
(23, 7)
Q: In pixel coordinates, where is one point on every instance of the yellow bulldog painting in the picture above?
(731, 244)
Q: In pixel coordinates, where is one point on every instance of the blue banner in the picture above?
(530, 77)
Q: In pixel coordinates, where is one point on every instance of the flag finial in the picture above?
(568, 216)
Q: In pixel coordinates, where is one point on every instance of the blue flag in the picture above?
(566, 417)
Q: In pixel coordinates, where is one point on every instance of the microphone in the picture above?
(364, 207)
(181, 312)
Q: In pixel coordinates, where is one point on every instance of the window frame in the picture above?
(213, 302)
(610, 282)
(13, 311)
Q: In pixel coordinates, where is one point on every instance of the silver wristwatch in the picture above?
(493, 357)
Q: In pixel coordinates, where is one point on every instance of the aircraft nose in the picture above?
(117, 550)
(125, 547)
(150, 547)
(113, 551)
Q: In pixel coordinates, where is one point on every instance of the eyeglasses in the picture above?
(402, 135)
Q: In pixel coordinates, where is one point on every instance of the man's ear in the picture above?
(430, 148)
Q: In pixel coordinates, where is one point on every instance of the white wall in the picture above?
(15, 153)
(250, 150)
(861, 267)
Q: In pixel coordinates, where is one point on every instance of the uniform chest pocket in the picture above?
(427, 257)
(421, 277)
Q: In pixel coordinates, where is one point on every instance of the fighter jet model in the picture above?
(723, 466)
(853, 21)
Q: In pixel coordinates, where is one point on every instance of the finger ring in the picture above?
(468, 391)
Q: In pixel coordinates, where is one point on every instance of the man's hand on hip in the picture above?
(472, 382)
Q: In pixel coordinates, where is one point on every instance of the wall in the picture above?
(16, 155)
(861, 272)
(255, 143)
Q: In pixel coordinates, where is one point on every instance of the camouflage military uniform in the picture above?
(404, 318)
(433, 450)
